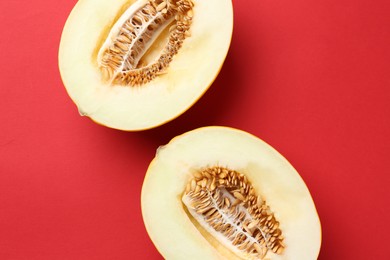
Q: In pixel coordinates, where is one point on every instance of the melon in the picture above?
(222, 193)
(134, 65)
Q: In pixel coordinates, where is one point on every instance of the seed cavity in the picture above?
(226, 205)
(135, 32)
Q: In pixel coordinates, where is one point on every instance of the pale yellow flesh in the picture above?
(188, 76)
(170, 228)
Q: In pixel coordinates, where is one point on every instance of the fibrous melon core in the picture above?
(225, 204)
(121, 58)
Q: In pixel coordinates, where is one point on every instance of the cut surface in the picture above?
(133, 65)
(220, 193)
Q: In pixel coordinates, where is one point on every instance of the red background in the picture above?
(309, 77)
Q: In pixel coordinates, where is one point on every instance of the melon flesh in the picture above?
(188, 76)
(178, 236)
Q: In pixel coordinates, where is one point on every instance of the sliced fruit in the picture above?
(221, 193)
(134, 65)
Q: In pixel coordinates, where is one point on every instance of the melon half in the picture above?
(221, 193)
(134, 65)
